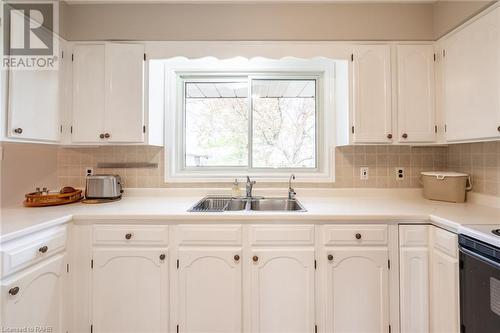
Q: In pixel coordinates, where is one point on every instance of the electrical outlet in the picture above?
(400, 173)
(363, 173)
(89, 171)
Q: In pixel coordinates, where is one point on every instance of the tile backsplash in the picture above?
(382, 162)
(481, 160)
(72, 163)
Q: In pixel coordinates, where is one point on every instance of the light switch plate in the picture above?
(363, 173)
(89, 171)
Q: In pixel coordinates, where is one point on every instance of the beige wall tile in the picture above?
(481, 160)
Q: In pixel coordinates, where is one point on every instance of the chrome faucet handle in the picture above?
(291, 191)
(249, 187)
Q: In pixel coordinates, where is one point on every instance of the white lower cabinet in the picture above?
(130, 290)
(210, 290)
(243, 278)
(357, 290)
(429, 290)
(444, 290)
(414, 278)
(282, 290)
(357, 278)
(35, 297)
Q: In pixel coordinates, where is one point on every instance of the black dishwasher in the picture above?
(479, 286)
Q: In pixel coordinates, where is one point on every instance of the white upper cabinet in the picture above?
(88, 92)
(471, 80)
(108, 93)
(282, 290)
(372, 112)
(210, 290)
(34, 105)
(124, 116)
(416, 90)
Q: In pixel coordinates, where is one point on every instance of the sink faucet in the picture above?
(291, 191)
(249, 186)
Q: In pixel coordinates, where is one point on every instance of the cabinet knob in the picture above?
(330, 257)
(162, 256)
(101, 136)
(43, 249)
(389, 136)
(255, 258)
(14, 291)
(107, 135)
(18, 130)
(405, 136)
(358, 236)
(128, 236)
(236, 257)
(498, 128)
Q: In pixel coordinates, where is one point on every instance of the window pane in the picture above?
(284, 123)
(216, 120)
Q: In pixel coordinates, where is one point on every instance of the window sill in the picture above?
(264, 178)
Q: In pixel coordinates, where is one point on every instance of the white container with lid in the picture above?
(446, 185)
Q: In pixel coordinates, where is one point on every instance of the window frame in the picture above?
(249, 78)
(174, 68)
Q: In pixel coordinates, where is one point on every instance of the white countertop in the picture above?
(323, 206)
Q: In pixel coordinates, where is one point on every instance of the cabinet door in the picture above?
(414, 278)
(130, 290)
(282, 290)
(416, 90)
(444, 293)
(357, 290)
(34, 105)
(372, 94)
(210, 298)
(39, 298)
(124, 116)
(472, 80)
(88, 92)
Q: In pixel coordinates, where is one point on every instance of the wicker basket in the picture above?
(42, 200)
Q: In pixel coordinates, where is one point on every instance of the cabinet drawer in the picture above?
(153, 235)
(281, 235)
(355, 235)
(445, 241)
(21, 253)
(209, 234)
(413, 235)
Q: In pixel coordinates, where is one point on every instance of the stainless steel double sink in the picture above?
(222, 204)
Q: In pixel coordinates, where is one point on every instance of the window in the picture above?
(250, 122)
(266, 118)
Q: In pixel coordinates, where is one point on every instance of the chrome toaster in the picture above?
(103, 187)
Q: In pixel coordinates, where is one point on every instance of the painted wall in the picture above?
(248, 22)
(25, 167)
(450, 14)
